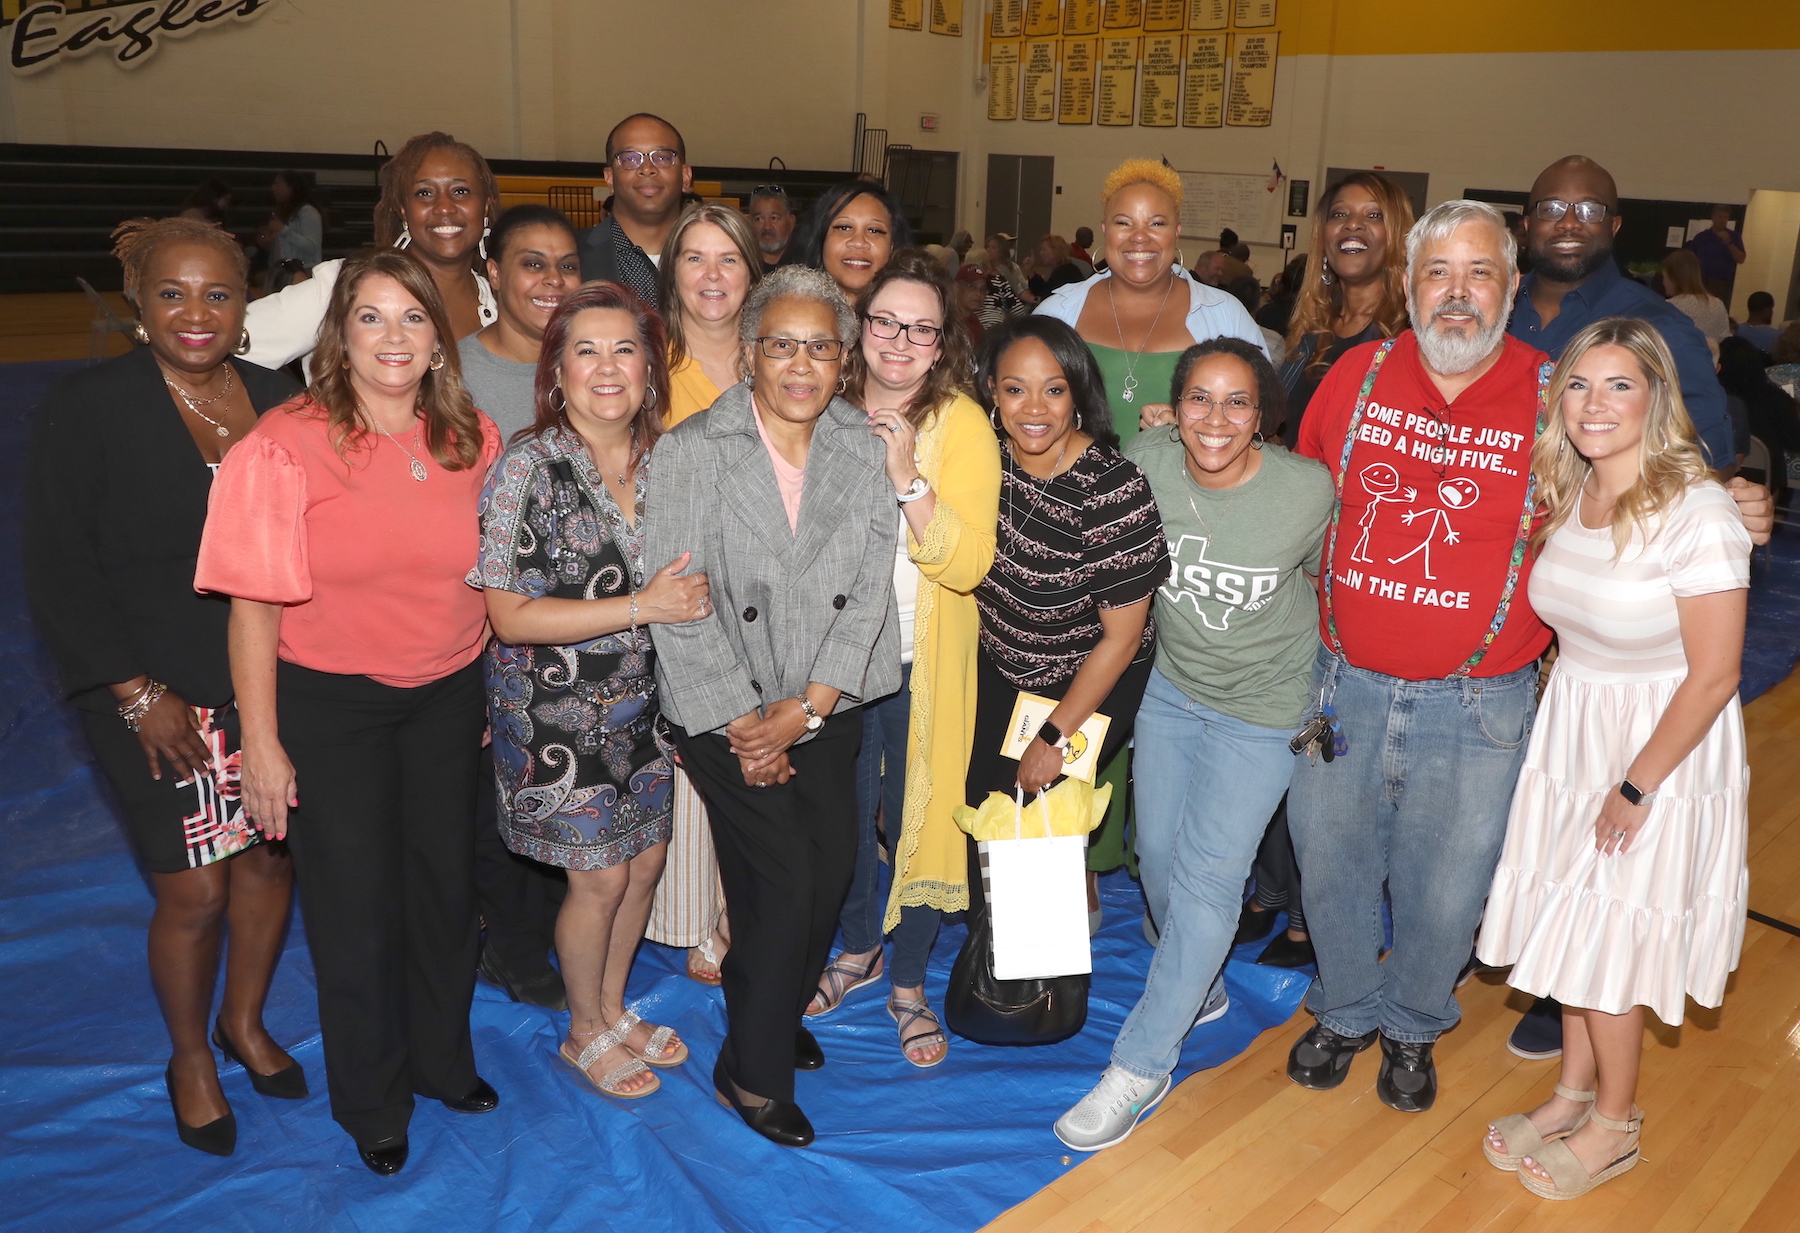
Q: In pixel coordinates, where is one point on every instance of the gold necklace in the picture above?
(194, 404)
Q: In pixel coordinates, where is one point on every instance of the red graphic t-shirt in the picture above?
(1432, 499)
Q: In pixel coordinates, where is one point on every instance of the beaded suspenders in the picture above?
(1514, 565)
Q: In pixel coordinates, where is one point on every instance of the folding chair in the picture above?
(106, 321)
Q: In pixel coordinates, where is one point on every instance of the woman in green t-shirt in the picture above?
(1237, 630)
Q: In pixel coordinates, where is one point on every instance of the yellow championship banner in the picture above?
(946, 17)
(1159, 100)
(1117, 91)
(1122, 14)
(1003, 81)
(1161, 16)
(1008, 20)
(1209, 14)
(1252, 100)
(1081, 17)
(1254, 14)
(1042, 19)
(906, 14)
(1075, 98)
(1203, 97)
(1038, 93)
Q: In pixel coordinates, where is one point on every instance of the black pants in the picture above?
(1277, 873)
(786, 854)
(518, 897)
(995, 696)
(383, 846)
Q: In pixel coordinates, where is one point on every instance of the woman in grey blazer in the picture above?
(780, 493)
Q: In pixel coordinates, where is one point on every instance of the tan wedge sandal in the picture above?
(1569, 1177)
(1521, 1136)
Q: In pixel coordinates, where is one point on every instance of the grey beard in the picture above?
(1452, 354)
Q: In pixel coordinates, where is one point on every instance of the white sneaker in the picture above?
(1108, 1114)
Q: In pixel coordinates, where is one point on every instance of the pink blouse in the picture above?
(789, 479)
(368, 562)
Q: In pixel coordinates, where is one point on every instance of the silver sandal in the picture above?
(657, 1052)
(608, 1084)
(906, 1012)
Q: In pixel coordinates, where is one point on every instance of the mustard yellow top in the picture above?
(960, 456)
(690, 390)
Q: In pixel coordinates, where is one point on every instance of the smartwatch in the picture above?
(814, 720)
(1051, 735)
(1635, 794)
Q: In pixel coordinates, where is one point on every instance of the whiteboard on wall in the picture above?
(1216, 200)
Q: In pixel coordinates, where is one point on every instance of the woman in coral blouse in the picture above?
(342, 528)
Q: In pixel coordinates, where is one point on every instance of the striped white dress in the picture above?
(1666, 919)
(688, 899)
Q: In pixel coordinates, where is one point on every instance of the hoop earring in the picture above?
(1256, 440)
(437, 360)
(481, 245)
(138, 332)
(649, 397)
(561, 407)
(1325, 277)
(405, 236)
(243, 347)
(1175, 433)
(843, 384)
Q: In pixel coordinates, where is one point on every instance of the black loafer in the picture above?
(1408, 1078)
(385, 1158)
(807, 1053)
(287, 1084)
(543, 988)
(778, 1121)
(217, 1138)
(483, 1099)
(1538, 1036)
(1321, 1058)
(1253, 926)
(1284, 952)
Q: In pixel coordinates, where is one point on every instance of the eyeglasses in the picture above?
(887, 327)
(1551, 209)
(631, 160)
(821, 349)
(1237, 410)
(768, 190)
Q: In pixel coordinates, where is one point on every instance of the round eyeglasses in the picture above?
(1237, 410)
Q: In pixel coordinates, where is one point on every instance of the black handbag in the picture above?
(981, 1008)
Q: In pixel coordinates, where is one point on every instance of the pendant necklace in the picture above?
(194, 404)
(1036, 497)
(418, 468)
(1131, 359)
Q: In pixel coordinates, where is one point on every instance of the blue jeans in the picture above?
(1206, 785)
(881, 789)
(1419, 805)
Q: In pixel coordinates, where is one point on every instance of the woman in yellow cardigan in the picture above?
(710, 263)
(910, 371)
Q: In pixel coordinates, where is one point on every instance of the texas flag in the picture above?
(1275, 178)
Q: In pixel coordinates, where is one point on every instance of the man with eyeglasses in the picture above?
(772, 219)
(1570, 223)
(647, 171)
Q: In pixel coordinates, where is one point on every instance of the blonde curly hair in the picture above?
(1142, 171)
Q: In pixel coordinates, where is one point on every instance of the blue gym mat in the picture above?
(86, 1141)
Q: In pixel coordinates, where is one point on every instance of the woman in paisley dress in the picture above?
(584, 779)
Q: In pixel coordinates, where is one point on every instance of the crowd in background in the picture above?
(539, 590)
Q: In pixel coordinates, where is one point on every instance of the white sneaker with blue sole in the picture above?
(1108, 1114)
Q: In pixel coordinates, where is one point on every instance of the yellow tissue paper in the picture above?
(1072, 806)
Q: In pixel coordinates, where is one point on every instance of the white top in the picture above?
(1211, 312)
(906, 592)
(284, 327)
(1617, 622)
(1709, 314)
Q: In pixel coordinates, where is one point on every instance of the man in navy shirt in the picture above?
(1574, 282)
(1721, 252)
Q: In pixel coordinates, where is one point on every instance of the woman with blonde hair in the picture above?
(1622, 883)
(343, 528)
(1686, 290)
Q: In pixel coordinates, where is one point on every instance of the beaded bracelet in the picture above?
(133, 712)
(632, 617)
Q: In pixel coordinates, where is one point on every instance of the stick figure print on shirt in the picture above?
(1456, 493)
(1382, 483)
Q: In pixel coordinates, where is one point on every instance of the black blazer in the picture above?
(115, 500)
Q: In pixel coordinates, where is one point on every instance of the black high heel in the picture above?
(217, 1138)
(778, 1121)
(285, 1084)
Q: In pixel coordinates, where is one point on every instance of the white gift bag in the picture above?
(1037, 902)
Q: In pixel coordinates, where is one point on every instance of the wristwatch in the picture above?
(1635, 794)
(1051, 735)
(814, 720)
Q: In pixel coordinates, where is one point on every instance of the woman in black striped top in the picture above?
(1065, 610)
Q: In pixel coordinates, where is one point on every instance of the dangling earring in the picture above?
(138, 332)
(437, 360)
(243, 347)
(1256, 440)
(481, 246)
(1325, 276)
(843, 384)
(405, 236)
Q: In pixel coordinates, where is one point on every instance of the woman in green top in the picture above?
(1236, 634)
(1138, 316)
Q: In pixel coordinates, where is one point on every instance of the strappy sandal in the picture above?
(708, 953)
(840, 979)
(608, 1085)
(1521, 1136)
(1569, 1177)
(657, 1052)
(907, 1012)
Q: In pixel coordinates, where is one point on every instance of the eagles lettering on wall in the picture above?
(1153, 63)
(40, 36)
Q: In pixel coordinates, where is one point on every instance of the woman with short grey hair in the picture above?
(779, 491)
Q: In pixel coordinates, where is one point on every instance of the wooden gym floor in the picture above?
(54, 325)
(1241, 1148)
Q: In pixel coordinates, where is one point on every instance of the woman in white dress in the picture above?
(1623, 881)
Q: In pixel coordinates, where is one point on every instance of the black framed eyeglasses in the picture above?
(631, 160)
(1552, 209)
(888, 328)
(822, 349)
